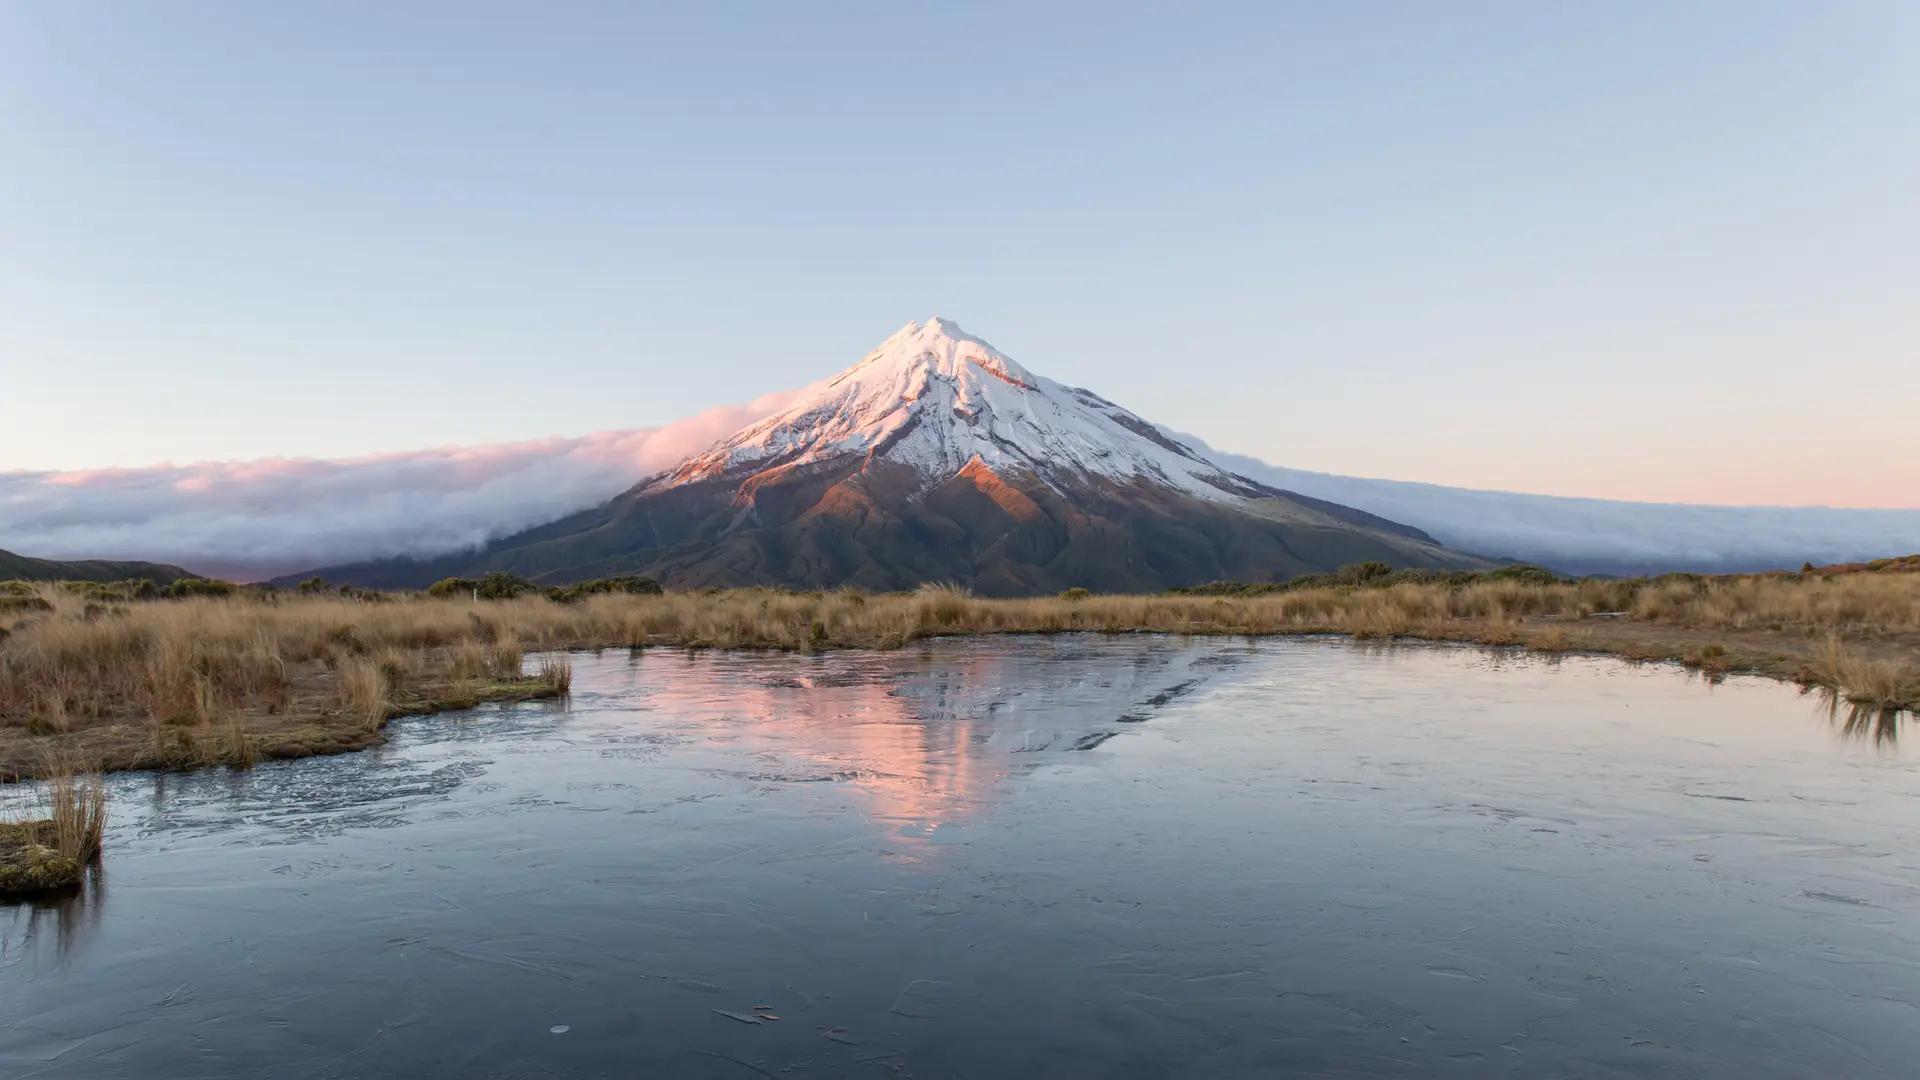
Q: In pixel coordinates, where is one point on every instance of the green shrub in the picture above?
(1526, 574)
(1362, 573)
(500, 585)
(629, 584)
(493, 585)
(194, 586)
(453, 586)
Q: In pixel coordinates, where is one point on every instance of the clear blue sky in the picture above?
(1637, 250)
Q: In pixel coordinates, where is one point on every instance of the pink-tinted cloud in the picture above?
(252, 519)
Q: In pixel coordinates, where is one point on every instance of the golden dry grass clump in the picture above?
(557, 674)
(77, 805)
(273, 673)
(50, 851)
(1862, 679)
(231, 679)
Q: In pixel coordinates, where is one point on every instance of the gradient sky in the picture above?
(1623, 250)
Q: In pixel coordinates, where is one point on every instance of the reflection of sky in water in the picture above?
(1125, 856)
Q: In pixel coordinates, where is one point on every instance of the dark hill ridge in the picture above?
(22, 568)
(937, 458)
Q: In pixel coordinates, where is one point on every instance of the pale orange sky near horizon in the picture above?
(1873, 466)
(1658, 254)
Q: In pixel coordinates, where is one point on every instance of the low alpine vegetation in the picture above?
(225, 678)
(49, 852)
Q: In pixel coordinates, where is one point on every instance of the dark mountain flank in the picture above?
(21, 568)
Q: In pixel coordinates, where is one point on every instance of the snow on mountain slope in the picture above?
(936, 398)
(937, 458)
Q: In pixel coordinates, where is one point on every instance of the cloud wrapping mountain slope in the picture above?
(1605, 536)
(257, 518)
(254, 519)
(937, 458)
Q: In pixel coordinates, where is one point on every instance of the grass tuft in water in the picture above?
(1862, 679)
(51, 853)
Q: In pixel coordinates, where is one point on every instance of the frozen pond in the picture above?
(1064, 856)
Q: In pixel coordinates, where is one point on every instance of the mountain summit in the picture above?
(939, 400)
(938, 458)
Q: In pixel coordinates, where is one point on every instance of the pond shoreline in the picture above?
(134, 743)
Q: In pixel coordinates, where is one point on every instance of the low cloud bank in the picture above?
(254, 519)
(1604, 536)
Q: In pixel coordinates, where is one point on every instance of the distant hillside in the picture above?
(21, 568)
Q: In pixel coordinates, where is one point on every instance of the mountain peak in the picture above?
(937, 458)
(941, 347)
(936, 398)
(936, 324)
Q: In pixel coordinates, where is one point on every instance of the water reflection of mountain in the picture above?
(927, 736)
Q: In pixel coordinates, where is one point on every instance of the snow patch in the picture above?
(936, 398)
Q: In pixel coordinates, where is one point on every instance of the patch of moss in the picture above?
(465, 695)
(29, 866)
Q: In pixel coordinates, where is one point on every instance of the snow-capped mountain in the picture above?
(938, 458)
(935, 398)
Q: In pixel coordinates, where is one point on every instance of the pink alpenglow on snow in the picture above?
(894, 404)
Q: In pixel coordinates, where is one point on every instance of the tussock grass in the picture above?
(557, 674)
(202, 672)
(365, 693)
(76, 804)
(189, 657)
(237, 747)
(942, 606)
(1553, 639)
(1878, 602)
(470, 659)
(51, 852)
(1861, 679)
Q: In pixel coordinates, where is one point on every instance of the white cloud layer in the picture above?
(252, 519)
(1604, 535)
(256, 519)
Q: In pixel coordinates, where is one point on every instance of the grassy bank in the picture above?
(172, 684)
(211, 679)
(50, 854)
